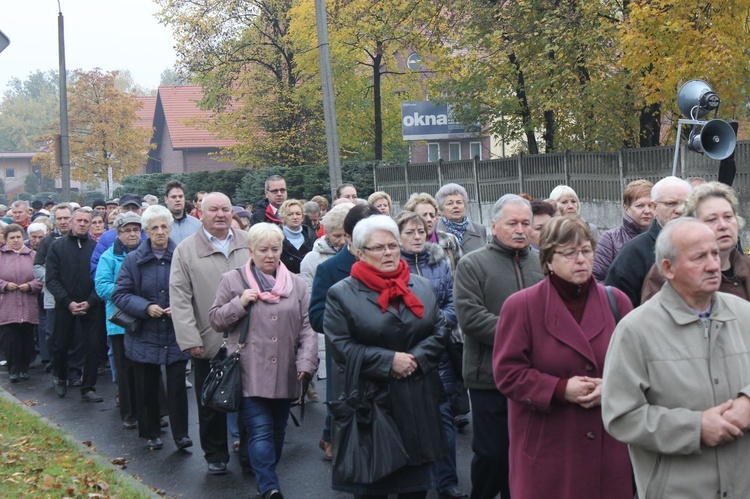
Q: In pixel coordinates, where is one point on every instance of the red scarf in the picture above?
(390, 285)
(271, 215)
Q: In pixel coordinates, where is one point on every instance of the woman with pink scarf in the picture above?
(280, 350)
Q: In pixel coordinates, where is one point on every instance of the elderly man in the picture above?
(36, 232)
(630, 266)
(75, 301)
(21, 213)
(197, 266)
(128, 203)
(184, 225)
(266, 210)
(484, 279)
(677, 376)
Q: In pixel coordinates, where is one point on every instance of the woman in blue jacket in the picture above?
(142, 290)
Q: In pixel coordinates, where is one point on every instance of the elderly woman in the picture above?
(569, 204)
(98, 226)
(298, 238)
(716, 205)
(281, 347)
(19, 312)
(548, 360)
(392, 318)
(636, 201)
(452, 200)
(142, 290)
(128, 227)
(426, 207)
(429, 260)
(326, 246)
(382, 201)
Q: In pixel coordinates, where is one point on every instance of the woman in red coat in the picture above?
(548, 360)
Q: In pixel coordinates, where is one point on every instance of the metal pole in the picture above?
(677, 148)
(329, 105)
(64, 148)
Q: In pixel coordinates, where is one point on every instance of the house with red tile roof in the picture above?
(183, 142)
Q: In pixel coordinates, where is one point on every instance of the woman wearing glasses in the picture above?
(548, 360)
(392, 318)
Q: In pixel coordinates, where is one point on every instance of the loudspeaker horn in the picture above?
(696, 98)
(716, 140)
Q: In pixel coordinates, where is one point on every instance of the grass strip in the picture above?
(37, 460)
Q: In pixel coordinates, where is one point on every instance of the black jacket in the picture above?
(259, 213)
(291, 256)
(68, 263)
(354, 320)
(628, 270)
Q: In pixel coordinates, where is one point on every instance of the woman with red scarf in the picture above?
(391, 317)
(280, 349)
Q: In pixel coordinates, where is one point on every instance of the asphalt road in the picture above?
(303, 471)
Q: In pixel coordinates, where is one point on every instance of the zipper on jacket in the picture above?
(520, 281)
(480, 358)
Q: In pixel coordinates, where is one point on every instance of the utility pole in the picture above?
(329, 105)
(64, 134)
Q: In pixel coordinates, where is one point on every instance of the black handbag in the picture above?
(367, 443)
(222, 389)
(129, 323)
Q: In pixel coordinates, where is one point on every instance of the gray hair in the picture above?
(262, 231)
(334, 219)
(369, 226)
(149, 198)
(156, 211)
(311, 207)
(20, 204)
(450, 190)
(665, 182)
(497, 208)
(665, 248)
(36, 227)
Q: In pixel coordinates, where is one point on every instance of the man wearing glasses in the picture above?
(630, 266)
(266, 210)
(484, 279)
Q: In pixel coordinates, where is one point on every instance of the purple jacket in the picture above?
(610, 243)
(15, 306)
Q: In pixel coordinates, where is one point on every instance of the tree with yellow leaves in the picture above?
(103, 135)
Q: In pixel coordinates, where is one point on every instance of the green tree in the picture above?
(30, 183)
(239, 53)
(28, 110)
(102, 131)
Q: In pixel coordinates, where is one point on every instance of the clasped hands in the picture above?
(156, 311)
(23, 288)
(725, 422)
(584, 391)
(79, 308)
(403, 365)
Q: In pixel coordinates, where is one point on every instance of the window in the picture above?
(433, 152)
(454, 151)
(475, 150)
(10, 173)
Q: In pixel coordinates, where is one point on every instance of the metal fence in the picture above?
(598, 178)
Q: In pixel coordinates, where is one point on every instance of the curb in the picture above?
(85, 450)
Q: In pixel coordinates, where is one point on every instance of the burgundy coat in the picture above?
(557, 449)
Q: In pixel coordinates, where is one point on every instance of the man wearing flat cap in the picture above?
(128, 203)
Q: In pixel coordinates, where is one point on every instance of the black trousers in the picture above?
(212, 424)
(63, 338)
(148, 387)
(403, 495)
(17, 343)
(489, 466)
(125, 378)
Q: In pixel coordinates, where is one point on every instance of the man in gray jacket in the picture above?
(483, 281)
(197, 266)
(677, 376)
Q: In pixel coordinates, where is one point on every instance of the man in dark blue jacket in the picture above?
(335, 269)
(69, 282)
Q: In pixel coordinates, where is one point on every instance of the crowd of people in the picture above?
(590, 365)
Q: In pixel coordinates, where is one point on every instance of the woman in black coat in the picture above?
(142, 290)
(393, 318)
(298, 237)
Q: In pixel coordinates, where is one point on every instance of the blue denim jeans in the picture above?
(265, 421)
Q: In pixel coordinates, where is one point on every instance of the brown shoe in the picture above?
(327, 449)
(312, 394)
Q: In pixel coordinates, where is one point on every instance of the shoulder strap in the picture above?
(245, 324)
(613, 303)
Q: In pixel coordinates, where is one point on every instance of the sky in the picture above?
(108, 34)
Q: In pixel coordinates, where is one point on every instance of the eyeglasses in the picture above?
(572, 254)
(277, 191)
(393, 247)
(130, 231)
